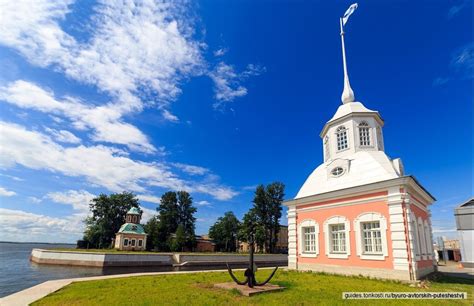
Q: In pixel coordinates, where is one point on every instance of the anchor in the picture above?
(250, 271)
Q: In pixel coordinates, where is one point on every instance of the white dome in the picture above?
(360, 168)
(352, 107)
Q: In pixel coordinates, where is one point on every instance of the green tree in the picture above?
(107, 215)
(224, 232)
(251, 225)
(176, 209)
(267, 207)
(152, 228)
(179, 240)
(186, 218)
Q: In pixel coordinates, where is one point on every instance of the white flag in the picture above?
(349, 12)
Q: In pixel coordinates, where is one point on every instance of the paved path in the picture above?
(30, 295)
(455, 270)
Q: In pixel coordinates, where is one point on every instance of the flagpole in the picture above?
(347, 93)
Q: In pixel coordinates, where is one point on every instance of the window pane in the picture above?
(372, 237)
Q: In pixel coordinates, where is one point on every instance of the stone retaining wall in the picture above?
(75, 258)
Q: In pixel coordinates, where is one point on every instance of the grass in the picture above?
(302, 288)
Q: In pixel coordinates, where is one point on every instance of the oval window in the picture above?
(337, 171)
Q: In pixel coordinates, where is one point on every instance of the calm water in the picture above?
(18, 273)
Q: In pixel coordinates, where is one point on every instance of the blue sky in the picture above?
(216, 97)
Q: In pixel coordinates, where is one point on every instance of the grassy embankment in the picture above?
(302, 288)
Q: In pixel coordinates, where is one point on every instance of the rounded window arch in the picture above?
(341, 135)
(364, 134)
(371, 236)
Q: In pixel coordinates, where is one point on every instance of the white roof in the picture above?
(352, 107)
(365, 167)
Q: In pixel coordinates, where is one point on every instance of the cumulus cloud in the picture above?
(227, 82)
(102, 166)
(203, 203)
(6, 193)
(104, 120)
(134, 47)
(18, 225)
(78, 199)
(149, 198)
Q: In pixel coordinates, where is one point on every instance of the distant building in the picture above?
(204, 244)
(131, 235)
(280, 247)
(464, 214)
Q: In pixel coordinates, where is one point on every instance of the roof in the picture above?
(364, 167)
(133, 211)
(132, 228)
(469, 203)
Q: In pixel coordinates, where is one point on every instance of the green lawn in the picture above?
(302, 288)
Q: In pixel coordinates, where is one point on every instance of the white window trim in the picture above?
(308, 223)
(125, 240)
(371, 135)
(429, 243)
(370, 217)
(346, 130)
(415, 237)
(134, 244)
(327, 236)
(421, 231)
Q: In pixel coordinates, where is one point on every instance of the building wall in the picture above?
(120, 242)
(350, 212)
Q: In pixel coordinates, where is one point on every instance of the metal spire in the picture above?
(347, 93)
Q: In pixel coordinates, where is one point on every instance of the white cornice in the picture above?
(405, 181)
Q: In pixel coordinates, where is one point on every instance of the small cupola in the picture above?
(133, 216)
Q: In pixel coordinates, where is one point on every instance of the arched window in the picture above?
(326, 148)
(341, 134)
(371, 237)
(364, 134)
(336, 237)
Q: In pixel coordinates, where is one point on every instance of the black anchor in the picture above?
(250, 272)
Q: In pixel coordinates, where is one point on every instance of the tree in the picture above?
(152, 228)
(179, 240)
(224, 232)
(252, 225)
(176, 209)
(107, 215)
(267, 209)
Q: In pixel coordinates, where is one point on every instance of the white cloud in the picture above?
(203, 203)
(463, 61)
(134, 48)
(63, 136)
(6, 193)
(15, 178)
(191, 169)
(147, 214)
(149, 198)
(220, 52)
(78, 199)
(104, 120)
(100, 165)
(17, 225)
(227, 82)
(35, 200)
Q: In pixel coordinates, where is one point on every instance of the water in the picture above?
(18, 273)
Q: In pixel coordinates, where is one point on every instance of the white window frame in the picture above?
(328, 236)
(421, 232)
(365, 125)
(415, 238)
(140, 243)
(339, 138)
(133, 242)
(125, 241)
(429, 243)
(301, 226)
(371, 217)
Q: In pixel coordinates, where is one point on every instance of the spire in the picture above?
(347, 93)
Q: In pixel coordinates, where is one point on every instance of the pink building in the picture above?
(358, 213)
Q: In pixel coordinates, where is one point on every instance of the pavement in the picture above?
(454, 269)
